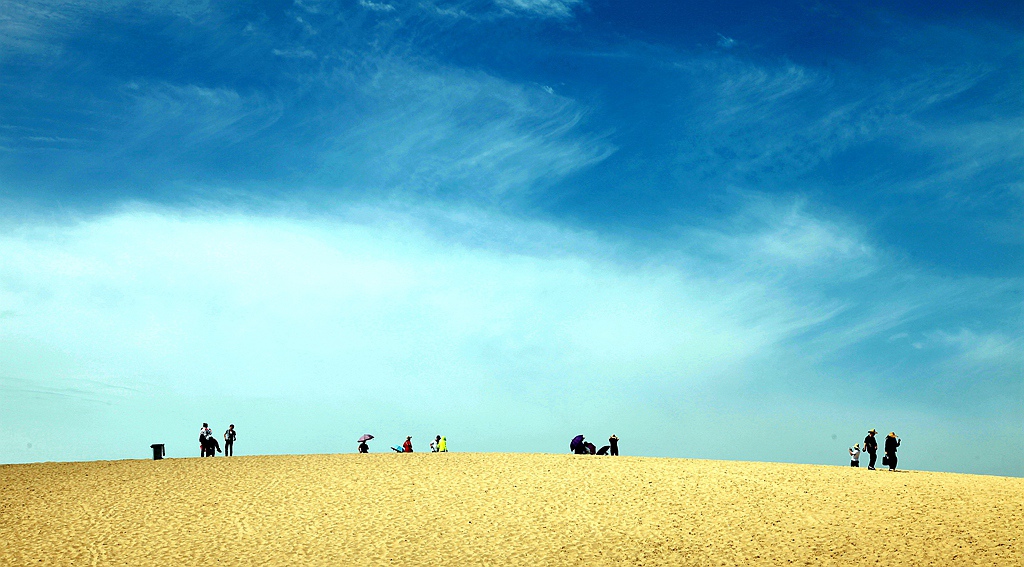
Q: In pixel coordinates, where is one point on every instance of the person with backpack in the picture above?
(871, 448)
(229, 440)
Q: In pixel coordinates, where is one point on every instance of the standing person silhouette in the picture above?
(613, 442)
(891, 443)
(871, 448)
(229, 440)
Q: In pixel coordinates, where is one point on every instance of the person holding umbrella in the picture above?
(363, 447)
(576, 445)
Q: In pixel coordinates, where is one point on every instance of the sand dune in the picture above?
(500, 509)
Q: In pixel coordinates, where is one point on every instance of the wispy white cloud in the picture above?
(980, 351)
(296, 53)
(180, 117)
(448, 131)
(971, 151)
(377, 6)
(39, 26)
(546, 8)
(756, 121)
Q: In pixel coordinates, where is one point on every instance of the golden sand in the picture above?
(500, 509)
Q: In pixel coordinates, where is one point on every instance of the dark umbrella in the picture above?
(366, 437)
(576, 442)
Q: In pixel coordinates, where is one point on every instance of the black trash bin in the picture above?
(158, 451)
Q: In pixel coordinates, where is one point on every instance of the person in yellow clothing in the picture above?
(442, 445)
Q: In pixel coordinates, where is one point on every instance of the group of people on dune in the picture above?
(892, 442)
(580, 446)
(438, 445)
(208, 444)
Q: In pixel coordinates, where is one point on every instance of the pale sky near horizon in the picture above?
(729, 231)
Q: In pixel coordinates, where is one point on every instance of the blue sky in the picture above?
(728, 231)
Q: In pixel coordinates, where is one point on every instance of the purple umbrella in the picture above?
(576, 442)
(366, 437)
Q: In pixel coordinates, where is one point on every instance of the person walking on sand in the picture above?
(613, 444)
(871, 448)
(855, 455)
(407, 446)
(442, 445)
(891, 443)
(229, 440)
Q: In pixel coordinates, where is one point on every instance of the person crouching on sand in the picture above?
(407, 446)
(442, 445)
(855, 455)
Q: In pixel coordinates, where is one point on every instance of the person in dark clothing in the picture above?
(576, 445)
(363, 447)
(229, 440)
(211, 446)
(204, 432)
(871, 448)
(891, 443)
(613, 443)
